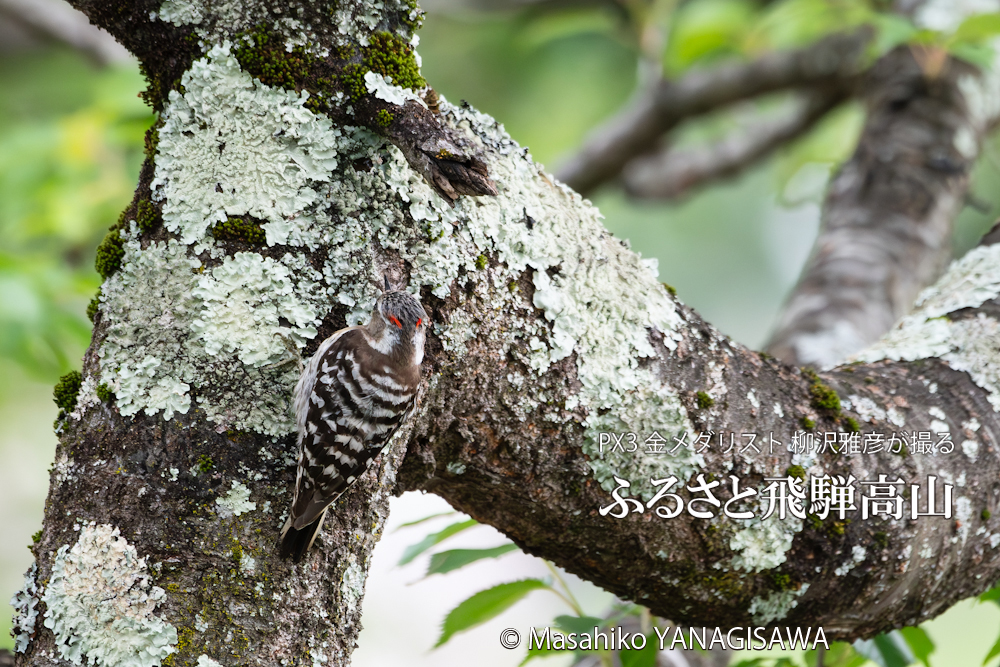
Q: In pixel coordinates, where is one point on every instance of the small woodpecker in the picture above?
(355, 392)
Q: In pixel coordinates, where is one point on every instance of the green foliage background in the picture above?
(71, 146)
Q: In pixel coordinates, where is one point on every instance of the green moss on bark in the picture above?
(796, 471)
(92, 308)
(822, 397)
(352, 80)
(104, 393)
(110, 253)
(268, 60)
(146, 215)
(239, 229)
(67, 389)
(390, 56)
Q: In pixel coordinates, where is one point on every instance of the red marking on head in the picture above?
(419, 320)
(392, 318)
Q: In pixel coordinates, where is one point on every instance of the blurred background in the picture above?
(71, 133)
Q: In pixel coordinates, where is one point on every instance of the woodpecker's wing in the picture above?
(311, 503)
(303, 388)
(355, 404)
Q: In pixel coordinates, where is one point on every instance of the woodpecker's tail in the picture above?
(295, 542)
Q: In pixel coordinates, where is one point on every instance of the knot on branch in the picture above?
(449, 163)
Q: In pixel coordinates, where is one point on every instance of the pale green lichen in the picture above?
(865, 408)
(205, 661)
(138, 360)
(89, 396)
(101, 605)
(858, 554)
(762, 545)
(152, 368)
(352, 585)
(63, 470)
(968, 283)
(259, 153)
(235, 503)
(775, 606)
(965, 344)
(214, 19)
(382, 87)
(248, 564)
(181, 12)
(243, 303)
(25, 606)
(459, 329)
(212, 327)
(359, 21)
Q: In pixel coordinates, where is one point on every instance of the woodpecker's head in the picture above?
(398, 324)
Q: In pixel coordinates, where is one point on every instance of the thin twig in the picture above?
(831, 61)
(673, 173)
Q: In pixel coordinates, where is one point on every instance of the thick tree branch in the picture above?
(831, 62)
(675, 173)
(889, 212)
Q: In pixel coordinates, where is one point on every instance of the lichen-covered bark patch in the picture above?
(936, 330)
(101, 605)
(584, 279)
(25, 605)
(231, 146)
(243, 302)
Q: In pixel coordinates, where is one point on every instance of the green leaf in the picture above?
(541, 652)
(841, 654)
(795, 23)
(992, 595)
(980, 55)
(644, 657)
(580, 625)
(446, 561)
(426, 518)
(485, 605)
(893, 30)
(707, 28)
(552, 27)
(977, 28)
(423, 545)
(919, 642)
(994, 652)
(886, 650)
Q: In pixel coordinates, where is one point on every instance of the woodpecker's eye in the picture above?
(392, 318)
(419, 320)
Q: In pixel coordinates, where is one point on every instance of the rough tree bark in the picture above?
(286, 173)
(890, 210)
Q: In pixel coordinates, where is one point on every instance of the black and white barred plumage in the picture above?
(353, 395)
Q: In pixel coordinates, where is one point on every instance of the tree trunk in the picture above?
(259, 225)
